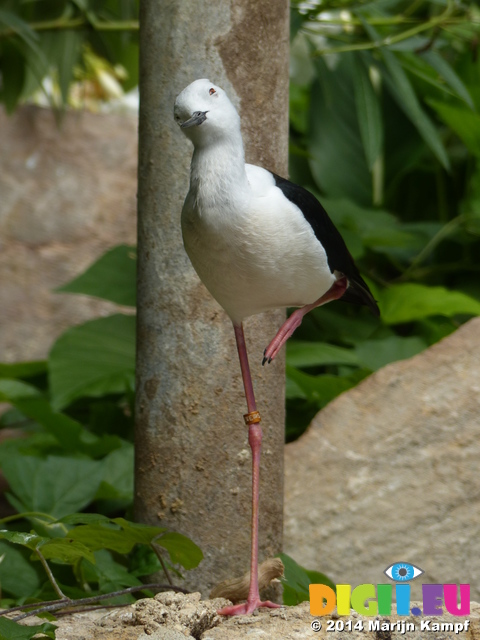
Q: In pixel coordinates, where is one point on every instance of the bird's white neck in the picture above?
(217, 173)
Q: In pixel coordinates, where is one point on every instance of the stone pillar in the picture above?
(193, 466)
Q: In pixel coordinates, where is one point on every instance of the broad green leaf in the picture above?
(22, 369)
(413, 64)
(316, 577)
(322, 389)
(28, 540)
(13, 390)
(110, 575)
(15, 562)
(403, 92)
(10, 630)
(117, 535)
(19, 26)
(378, 230)
(56, 486)
(93, 359)
(297, 580)
(313, 354)
(406, 302)
(454, 81)
(368, 112)
(111, 277)
(181, 549)
(70, 434)
(66, 550)
(117, 481)
(62, 48)
(464, 122)
(374, 354)
(339, 323)
(144, 561)
(84, 518)
(12, 67)
(337, 157)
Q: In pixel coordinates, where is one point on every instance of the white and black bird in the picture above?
(258, 242)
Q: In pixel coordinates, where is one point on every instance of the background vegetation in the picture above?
(385, 129)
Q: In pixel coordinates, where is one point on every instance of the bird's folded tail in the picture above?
(359, 293)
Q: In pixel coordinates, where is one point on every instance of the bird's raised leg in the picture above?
(295, 320)
(252, 418)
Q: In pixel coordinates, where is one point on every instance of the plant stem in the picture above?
(28, 514)
(51, 577)
(54, 605)
(76, 23)
(393, 39)
(162, 562)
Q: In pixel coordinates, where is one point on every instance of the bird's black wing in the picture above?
(338, 256)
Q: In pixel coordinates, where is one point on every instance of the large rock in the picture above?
(390, 471)
(67, 194)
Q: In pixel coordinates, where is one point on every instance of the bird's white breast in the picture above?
(252, 247)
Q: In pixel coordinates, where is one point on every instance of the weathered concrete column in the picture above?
(193, 465)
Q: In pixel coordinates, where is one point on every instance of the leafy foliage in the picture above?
(66, 40)
(297, 580)
(74, 415)
(385, 130)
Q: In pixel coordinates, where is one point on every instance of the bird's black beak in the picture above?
(197, 118)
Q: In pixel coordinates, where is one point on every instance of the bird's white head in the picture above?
(205, 113)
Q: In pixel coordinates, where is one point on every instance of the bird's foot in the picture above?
(247, 607)
(283, 334)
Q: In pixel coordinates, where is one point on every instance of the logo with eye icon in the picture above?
(403, 572)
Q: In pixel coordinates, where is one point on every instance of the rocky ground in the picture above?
(171, 616)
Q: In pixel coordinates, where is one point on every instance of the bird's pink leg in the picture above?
(255, 441)
(295, 320)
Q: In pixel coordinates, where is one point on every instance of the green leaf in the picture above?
(13, 390)
(112, 277)
(19, 26)
(337, 157)
(84, 518)
(368, 112)
(12, 67)
(374, 354)
(22, 369)
(56, 486)
(10, 630)
(66, 550)
(297, 580)
(464, 122)
(323, 388)
(454, 81)
(28, 540)
(313, 354)
(406, 302)
(15, 562)
(111, 575)
(65, 53)
(70, 434)
(117, 481)
(378, 230)
(93, 359)
(181, 549)
(117, 535)
(404, 94)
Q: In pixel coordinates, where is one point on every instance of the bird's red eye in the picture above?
(212, 91)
